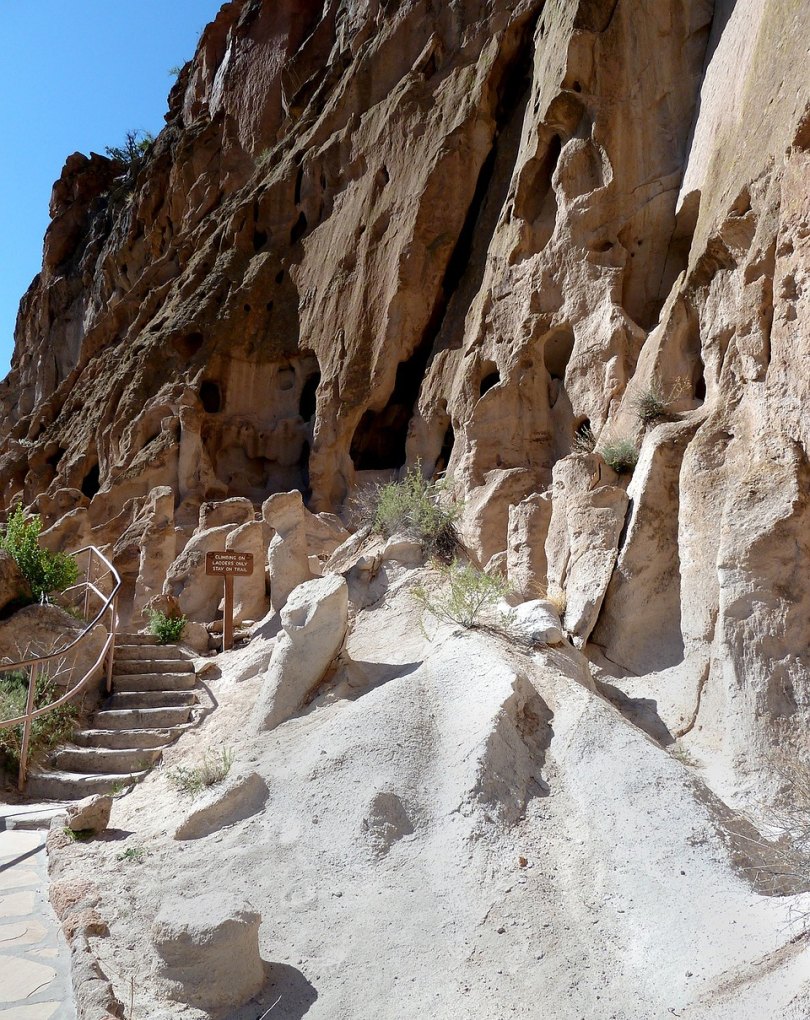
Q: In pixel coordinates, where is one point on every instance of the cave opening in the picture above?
(91, 482)
(211, 396)
(259, 239)
(491, 377)
(188, 345)
(557, 352)
(700, 388)
(308, 400)
(446, 451)
(379, 440)
(298, 230)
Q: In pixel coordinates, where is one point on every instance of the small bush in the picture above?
(214, 768)
(45, 571)
(465, 595)
(652, 405)
(621, 455)
(417, 508)
(584, 439)
(47, 731)
(166, 629)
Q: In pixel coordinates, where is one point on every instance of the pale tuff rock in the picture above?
(288, 554)
(538, 622)
(314, 622)
(91, 814)
(526, 564)
(582, 544)
(237, 798)
(197, 595)
(209, 951)
(249, 593)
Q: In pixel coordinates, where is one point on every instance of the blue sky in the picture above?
(74, 76)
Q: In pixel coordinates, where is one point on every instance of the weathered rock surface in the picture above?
(483, 238)
(233, 801)
(209, 951)
(90, 815)
(13, 585)
(314, 621)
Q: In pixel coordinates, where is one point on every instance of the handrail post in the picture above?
(87, 582)
(113, 632)
(26, 738)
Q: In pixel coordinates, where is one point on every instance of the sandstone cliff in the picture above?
(495, 239)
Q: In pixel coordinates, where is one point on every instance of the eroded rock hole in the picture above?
(308, 401)
(280, 276)
(211, 396)
(299, 180)
(700, 388)
(491, 378)
(187, 346)
(299, 229)
(446, 451)
(259, 239)
(91, 482)
(557, 352)
(379, 440)
(55, 458)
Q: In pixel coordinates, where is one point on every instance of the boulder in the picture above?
(237, 798)
(288, 555)
(538, 622)
(249, 593)
(209, 951)
(197, 595)
(13, 585)
(90, 815)
(236, 511)
(526, 538)
(314, 623)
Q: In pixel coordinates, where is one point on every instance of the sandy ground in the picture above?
(457, 828)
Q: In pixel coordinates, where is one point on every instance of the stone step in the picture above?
(55, 784)
(104, 760)
(141, 718)
(136, 639)
(144, 652)
(128, 739)
(155, 682)
(128, 667)
(149, 699)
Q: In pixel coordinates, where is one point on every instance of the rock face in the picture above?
(500, 240)
(13, 585)
(209, 950)
(314, 619)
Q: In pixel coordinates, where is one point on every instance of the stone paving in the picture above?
(34, 958)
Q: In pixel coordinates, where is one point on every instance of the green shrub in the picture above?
(166, 629)
(652, 404)
(417, 508)
(47, 731)
(465, 594)
(621, 455)
(45, 571)
(214, 768)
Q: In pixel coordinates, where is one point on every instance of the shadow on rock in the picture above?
(286, 994)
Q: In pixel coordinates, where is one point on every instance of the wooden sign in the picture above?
(228, 565)
(220, 564)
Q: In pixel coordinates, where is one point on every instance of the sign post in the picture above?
(228, 565)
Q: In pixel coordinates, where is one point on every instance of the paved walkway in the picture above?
(34, 959)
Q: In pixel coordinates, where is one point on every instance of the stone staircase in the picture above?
(153, 701)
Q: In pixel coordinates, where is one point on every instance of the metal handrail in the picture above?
(37, 663)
